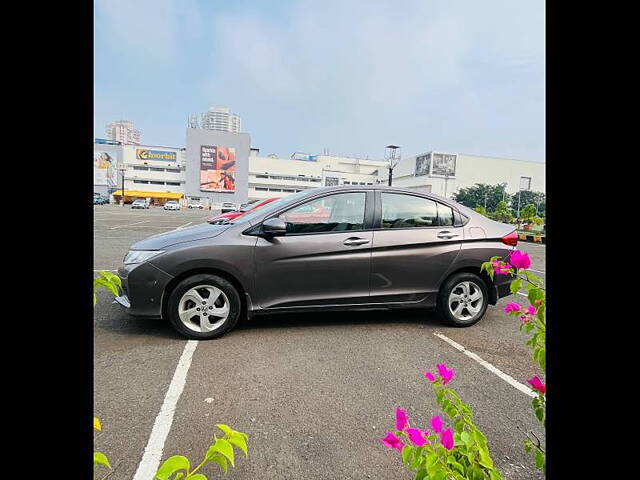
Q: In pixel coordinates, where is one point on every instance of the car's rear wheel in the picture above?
(462, 300)
(203, 306)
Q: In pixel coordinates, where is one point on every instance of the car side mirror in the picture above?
(274, 226)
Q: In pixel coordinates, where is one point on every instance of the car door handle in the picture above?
(447, 235)
(354, 241)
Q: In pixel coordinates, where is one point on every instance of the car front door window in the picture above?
(333, 213)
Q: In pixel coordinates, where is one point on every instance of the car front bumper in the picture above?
(142, 289)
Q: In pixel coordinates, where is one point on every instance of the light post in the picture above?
(122, 169)
(392, 156)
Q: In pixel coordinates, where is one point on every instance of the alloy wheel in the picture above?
(465, 300)
(203, 308)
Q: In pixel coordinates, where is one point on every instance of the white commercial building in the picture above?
(277, 177)
(122, 131)
(218, 118)
(445, 173)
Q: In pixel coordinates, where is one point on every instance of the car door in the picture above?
(414, 244)
(323, 259)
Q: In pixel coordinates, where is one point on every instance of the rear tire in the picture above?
(187, 305)
(462, 300)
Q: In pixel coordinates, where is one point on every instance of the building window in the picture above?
(146, 169)
(262, 189)
(141, 181)
(157, 183)
(156, 169)
(173, 183)
(172, 170)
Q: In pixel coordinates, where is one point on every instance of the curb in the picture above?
(532, 238)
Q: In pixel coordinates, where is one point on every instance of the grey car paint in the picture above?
(395, 268)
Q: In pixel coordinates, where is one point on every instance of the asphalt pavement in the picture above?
(313, 391)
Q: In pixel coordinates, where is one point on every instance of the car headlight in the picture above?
(139, 256)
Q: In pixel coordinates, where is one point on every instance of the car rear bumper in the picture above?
(142, 289)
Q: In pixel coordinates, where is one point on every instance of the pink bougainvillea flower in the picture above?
(401, 419)
(416, 437)
(436, 424)
(531, 310)
(525, 319)
(501, 268)
(392, 441)
(426, 433)
(537, 384)
(430, 376)
(446, 438)
(445, 373)
(520, 259)
(512, 307)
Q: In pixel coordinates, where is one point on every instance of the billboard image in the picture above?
(444, 165)
(423, 165)
(217, 168)
(105, 169)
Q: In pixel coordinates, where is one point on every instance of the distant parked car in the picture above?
(228, 207)
(171, 205)
(193, 204)
(100, 200)
(224, 217)
(140, 203)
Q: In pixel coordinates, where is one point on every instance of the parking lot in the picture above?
(314, 392)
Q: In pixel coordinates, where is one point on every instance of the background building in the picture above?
(445, 173)
(278, 177)
(217, 118)
(122, 131)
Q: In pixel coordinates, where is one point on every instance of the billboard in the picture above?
(105, 169)
(444, 165)
(423, 165)
(217, 168)
(144, 154)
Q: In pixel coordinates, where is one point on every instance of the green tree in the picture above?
(527, 197)
(502, 213)
(481, 194)
(481, 210)
(528, 212)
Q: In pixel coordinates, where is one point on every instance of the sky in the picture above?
(350, 76)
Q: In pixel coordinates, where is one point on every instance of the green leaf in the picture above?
(95, 299)
(172, 465)
(220, 460)
(225, 428)
(539, 459)
(100, 459)
(239, 441)
(516, 285)
(108, 285)
(494, 474)
(406, 451)
(440, 475)
(540, 414)
(485, 459)
(221, 446)
(421, 474)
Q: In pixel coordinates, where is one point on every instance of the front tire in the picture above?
(203, 307)
(462, 300)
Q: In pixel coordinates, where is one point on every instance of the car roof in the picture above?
(383, 188)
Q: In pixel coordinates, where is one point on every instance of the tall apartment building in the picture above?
(217, 118)
(123, 131)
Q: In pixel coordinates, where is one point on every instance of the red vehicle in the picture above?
(223, 217)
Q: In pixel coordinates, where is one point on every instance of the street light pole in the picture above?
(122, 170)
(392, 155)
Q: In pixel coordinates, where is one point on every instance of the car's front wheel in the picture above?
(462, 300)
(203, 306)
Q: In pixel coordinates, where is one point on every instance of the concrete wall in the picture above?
(472, 169)
(196, 137)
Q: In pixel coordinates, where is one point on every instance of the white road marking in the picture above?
(105, 270)
(537, 271)
(182, 226)
(129, 225)
(523, 294)
(510, 380)
(153, 451)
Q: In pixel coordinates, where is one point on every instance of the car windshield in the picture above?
(275, 205)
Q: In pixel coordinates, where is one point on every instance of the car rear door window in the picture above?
(333, 213)
(445, 215)
(408, 211)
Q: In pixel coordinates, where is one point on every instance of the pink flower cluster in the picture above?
(537, 384)
(416, 436)
(514, 308)
(446, 374)
(518, 260)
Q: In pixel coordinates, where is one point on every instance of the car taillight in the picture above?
(511, 239)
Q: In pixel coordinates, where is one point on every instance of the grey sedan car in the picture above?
(323, 249)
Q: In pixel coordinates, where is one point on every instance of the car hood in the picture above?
(189, 234)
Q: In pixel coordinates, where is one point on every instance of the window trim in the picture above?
(367, 224)
(377, 221)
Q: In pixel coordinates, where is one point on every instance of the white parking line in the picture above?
(105, 270)
(537, 271)
(120, 226)
(510, 380)
(153, 451)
